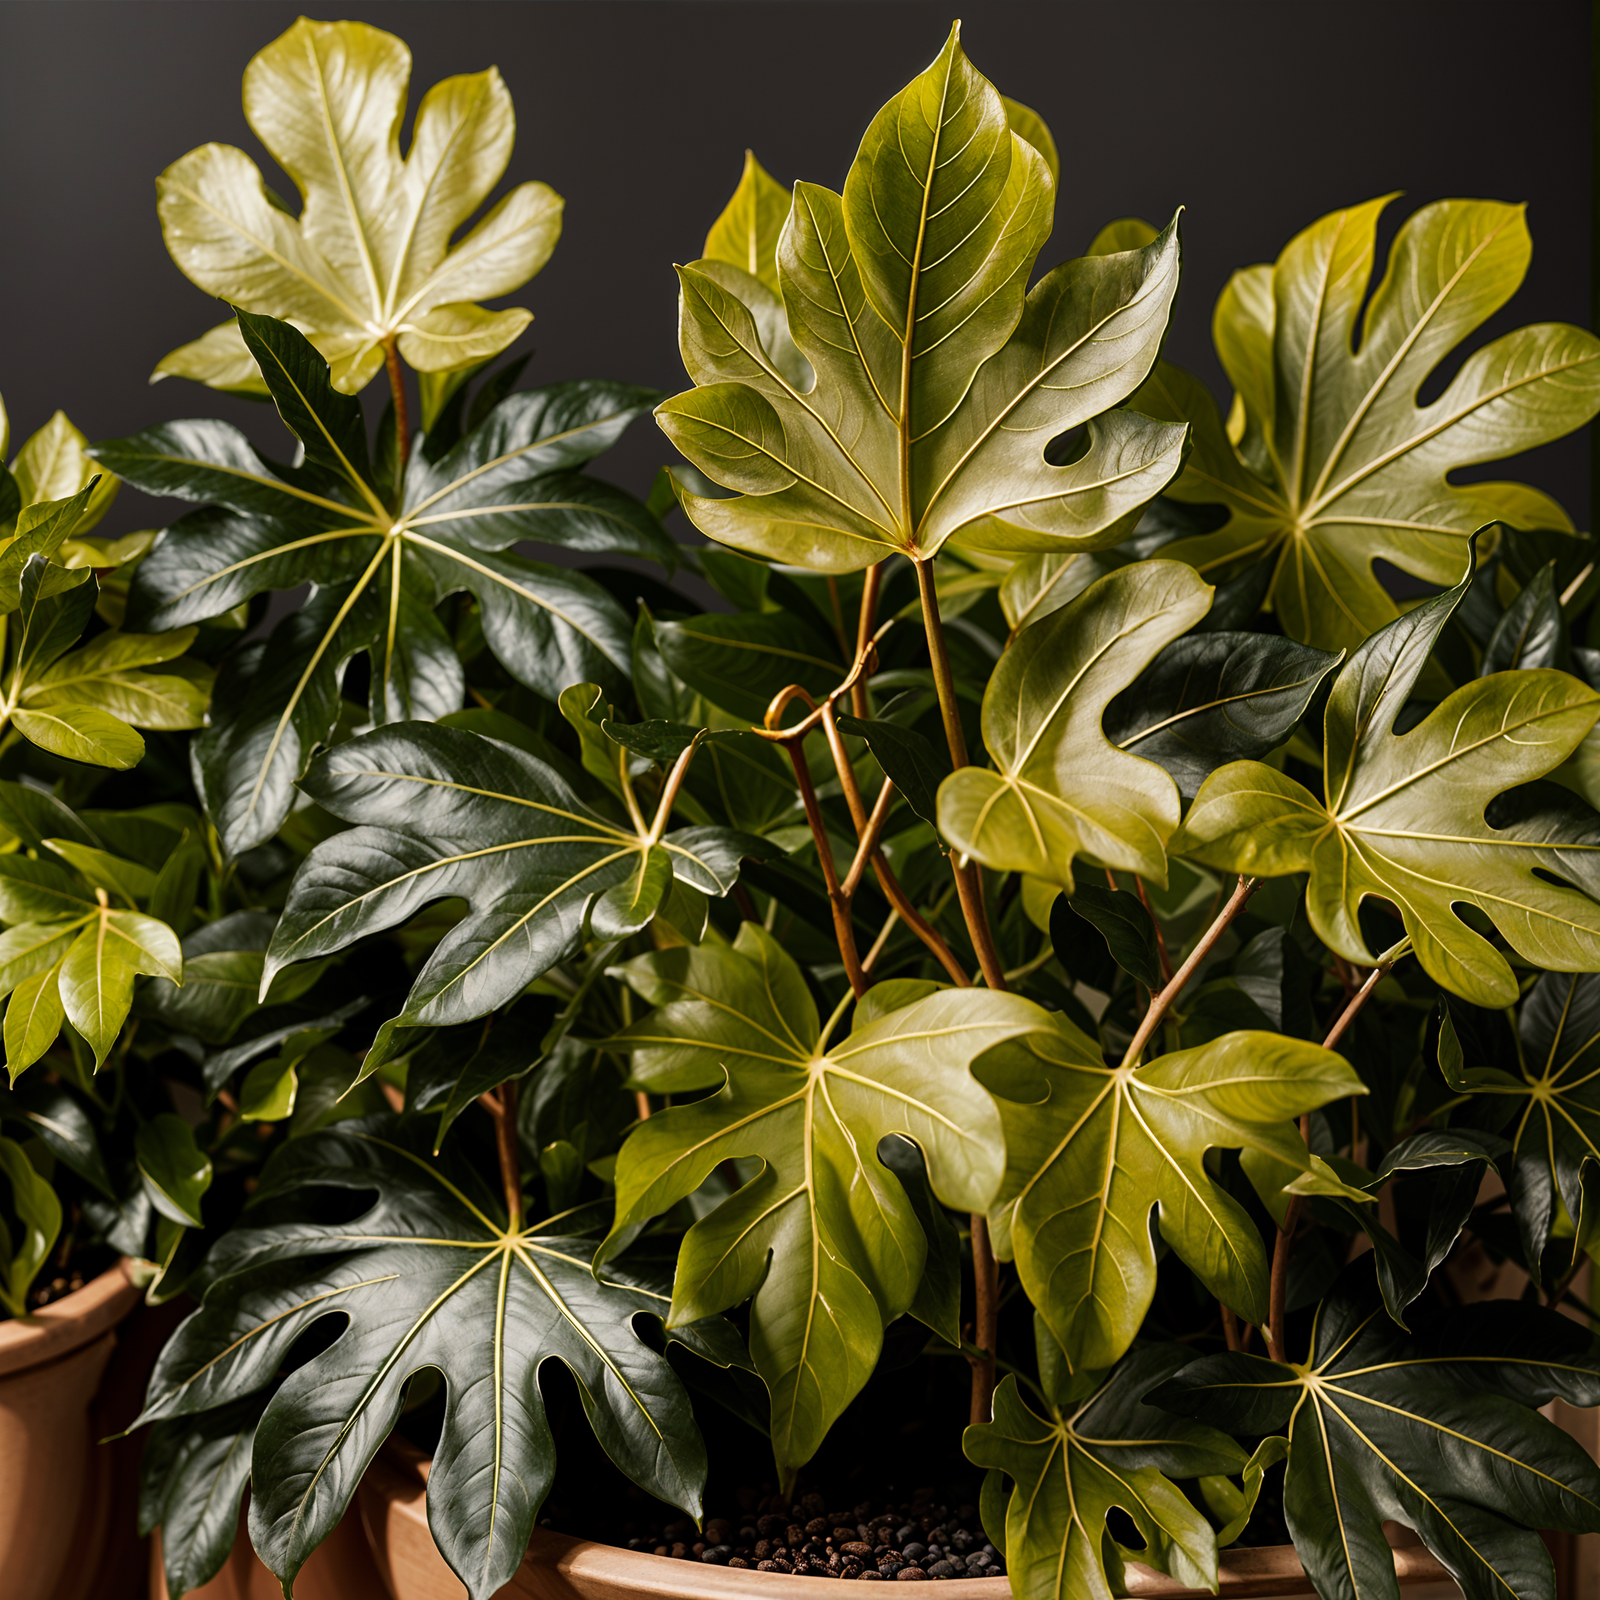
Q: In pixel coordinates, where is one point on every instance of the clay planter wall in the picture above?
(55, 1482)
(392, 1496)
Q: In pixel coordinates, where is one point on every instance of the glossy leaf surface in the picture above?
(1403, 815)
(442, 813)
(1091, 1151)
(1212, 698)
(370, 258)
(1438, 1432)
(1059, 787)
(935, 381)
(1328, 463)
(75, 940)
(377, 574)
(1072, 1467)
(825, 1237)
(428, 1276)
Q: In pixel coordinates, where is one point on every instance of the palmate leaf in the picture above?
(370, 258)
(938, 381)
(1328, 464)
(443, 813)
(377, 575)
(1091, 1151)
(825, 1238)
(1059, 787)
(427, 1276)
(75, 939)
(1403, 816)
(1543, 1093)
(1437, 1431)
(1074, 1466)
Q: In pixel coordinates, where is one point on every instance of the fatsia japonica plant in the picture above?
(1058, 920)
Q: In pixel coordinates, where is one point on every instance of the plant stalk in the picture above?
(402, 418)
(843, 929)
(1283, 1248)
(986, 1330)
(866, 620)
(969, 881)
(505, 1138)
(1161, 1003)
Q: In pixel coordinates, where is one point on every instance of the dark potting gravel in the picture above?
(877, 1541)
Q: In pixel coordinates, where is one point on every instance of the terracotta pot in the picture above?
(340, 1569)
(55, 1482)
(392, 1501)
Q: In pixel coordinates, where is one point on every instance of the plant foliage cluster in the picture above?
(1058, 909)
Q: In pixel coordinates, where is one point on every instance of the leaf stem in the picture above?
(969, 881)
(1283, 1248)
(669, 790)
(505, 1138)
(986, 1329)
(1155, 922)
(843, 929)
(1161, 1002)
(402, 420)
(866, 619)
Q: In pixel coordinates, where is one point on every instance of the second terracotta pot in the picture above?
(392, 1499)
(54, 1478)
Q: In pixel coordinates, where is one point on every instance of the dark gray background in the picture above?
(1257, 115)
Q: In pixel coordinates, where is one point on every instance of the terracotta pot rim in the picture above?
(1267, 1569)
(69, 1323)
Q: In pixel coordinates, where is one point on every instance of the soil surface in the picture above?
(924, 1538)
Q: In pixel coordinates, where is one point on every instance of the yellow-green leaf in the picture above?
(370, 257)
(1328, 464)
(1059, 787)
(746, 234)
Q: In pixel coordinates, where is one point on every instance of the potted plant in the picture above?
(1060, 949)
(93, 893)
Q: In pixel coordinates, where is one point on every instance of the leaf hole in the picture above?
(1068, 447)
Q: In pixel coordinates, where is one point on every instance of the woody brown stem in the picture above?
(866, 620)
(986, 1332)
(397, 387)
(505, 1139)
(969, 881)
(843, 929)
(1161, 1002)
(1283, 1247)
(1155, 922)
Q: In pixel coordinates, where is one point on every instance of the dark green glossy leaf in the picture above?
(1532, 633)
(428, 1276)
(1210, 698)
(378, 576)
(1437, 1431)
(917, 766)
(740, 662)
(176, 1172)
(192, 1478)
(329, 424)
(48, 1113)
(442, 813)
(1122, 921)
